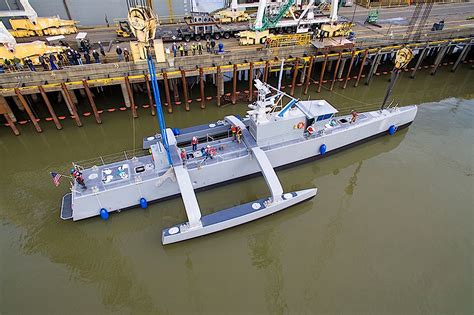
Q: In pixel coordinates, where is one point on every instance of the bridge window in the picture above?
(327, 116)
(320, 118)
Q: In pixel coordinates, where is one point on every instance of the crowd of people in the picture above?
(195, 48)
(51, 61)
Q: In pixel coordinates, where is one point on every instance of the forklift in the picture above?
(373, 18)
(123, 29)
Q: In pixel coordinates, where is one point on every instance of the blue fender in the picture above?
(322, 149)
(104, 214)
(143, 203)
(176, 131)
(392, 130)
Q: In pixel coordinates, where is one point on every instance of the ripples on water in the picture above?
(390, 230)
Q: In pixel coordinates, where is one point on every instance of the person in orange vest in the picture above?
(233, 129)
(194, 143)
(183, 155)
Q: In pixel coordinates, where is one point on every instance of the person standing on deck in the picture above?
(193, 49)
(87, 57)
(29, 63)
(183, 155)
(101, 48)
(96, 56)
(78, 58)
(208, 46)
(52, 62)
(199, 48)
(119, 52)
(239, 134)
(126, 54)
(17, 63)
(60, 60)
(77, 175)
(69, 56)
(233, 129)
(181, 50)
(213, 46)
(354, 115)
(194, 143)
(186, 49)
(174, 48)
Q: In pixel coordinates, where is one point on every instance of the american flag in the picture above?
(56, 178)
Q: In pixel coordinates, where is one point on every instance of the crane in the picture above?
(402, 59)
(143, 22)
(265, 21)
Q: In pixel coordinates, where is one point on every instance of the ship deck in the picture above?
(129, 171)
(113, 175)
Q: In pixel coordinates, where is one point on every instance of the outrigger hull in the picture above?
(235, 216)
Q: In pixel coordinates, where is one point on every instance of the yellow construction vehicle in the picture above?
(336, 29)
(272, 40)
(123, 29)
(43, 26)
(252, 38)
(231, 16)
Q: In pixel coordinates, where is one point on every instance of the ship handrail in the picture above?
(110, 158)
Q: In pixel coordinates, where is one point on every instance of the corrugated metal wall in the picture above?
(93, 12)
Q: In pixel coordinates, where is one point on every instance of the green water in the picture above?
(390, 231)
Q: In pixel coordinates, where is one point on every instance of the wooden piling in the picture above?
(265, 73)
(218, 84)
(5, 110)
(419, 61)
(130, 96)
(359, 75)
(334, 78)
(11, 124)
(167, 92)
(201, 87)
(321, 76)
(72, 106)
(185, 89)
(91, 101)
(50, 108)
(308, 75)
(462, 55)
(373, 68)
(348, 76)
(234, 85)
(439, 59)
(150, 97)
(251, 82)
(28, 110)
(295, 75)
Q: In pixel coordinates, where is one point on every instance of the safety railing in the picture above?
(110, 158)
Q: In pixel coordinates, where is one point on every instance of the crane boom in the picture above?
(263, 22)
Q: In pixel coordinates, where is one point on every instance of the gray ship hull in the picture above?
(242, 163)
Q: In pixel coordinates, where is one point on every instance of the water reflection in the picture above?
(265, 254)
